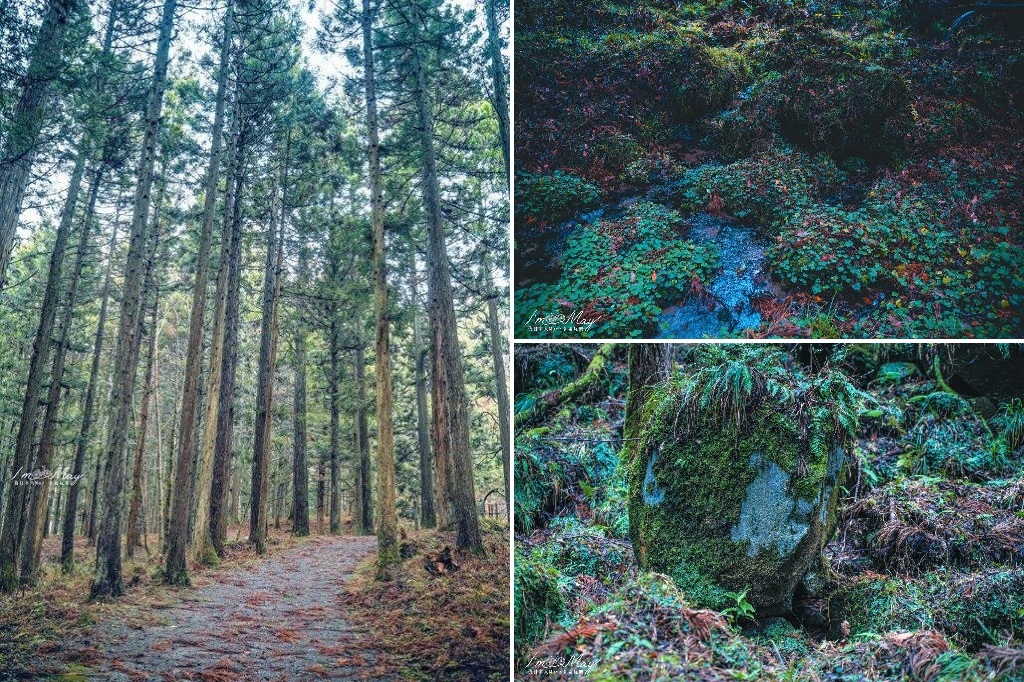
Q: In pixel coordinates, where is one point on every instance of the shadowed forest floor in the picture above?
(309, 611)
(755, 169)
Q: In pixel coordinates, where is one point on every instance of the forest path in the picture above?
(278, 619)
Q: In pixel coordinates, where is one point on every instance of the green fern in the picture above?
(1010, 422)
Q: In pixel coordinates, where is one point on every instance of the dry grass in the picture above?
(437, 619)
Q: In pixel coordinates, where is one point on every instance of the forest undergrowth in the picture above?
(922, 578)
(874, 157)
(441, 617)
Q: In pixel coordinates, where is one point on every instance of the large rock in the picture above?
(725, 501)
(995, 371)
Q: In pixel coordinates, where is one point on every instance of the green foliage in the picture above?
(740, 609)
(761, 188)
(551, 474)
(616, 274)
(844, 108)
(538, 602)
(931, 271)
(949, 437)
(555, 197)
(986, 614)
(1010, 422)
(880, 604)
(926, 568)
(629, 89)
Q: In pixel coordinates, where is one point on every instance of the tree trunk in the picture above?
(321, 491)
(19, 500)
(501, 382)
(265, 376)
(427, 515)
(135, 531)
(218, 526)
(649, 363)
(387, 529)
(176, 568)
(108, 579)
(552, 400)
(23, 130)
(451, 409)
(500, 100)
(35, 526)
(67, 549)
(134, 538)
(364, 490)
(300, 473)
(335, 502)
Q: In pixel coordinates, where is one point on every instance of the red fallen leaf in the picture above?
(289, 636)
(654, 276)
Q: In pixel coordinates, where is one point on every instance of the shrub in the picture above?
(617, 273)
(552, 474)
(938, 272)
(761, 188)
(837, 98)
(538, 602)
(555, 197)
(845, 108)
(629, 90)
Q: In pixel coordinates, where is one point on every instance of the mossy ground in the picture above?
(922, 578)
(879, 160)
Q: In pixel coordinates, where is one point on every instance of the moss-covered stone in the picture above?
(896, 372)
(538, 601)
(742, 497)
(973, 609)
(879, 604)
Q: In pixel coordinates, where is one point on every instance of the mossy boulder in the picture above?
(734, 477)
(845, 108)
(539, 603)
(896, 372)
(604, 99)
(973, 609)
(828, 103)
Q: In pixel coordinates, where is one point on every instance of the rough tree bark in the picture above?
(67, 547)
(451, 409)
(134, 536)
(265, 376)
(428, 516)
(364, 495)
(108, 580)
(300, 473)
(501, 384)
(649, 364)
(226, 410)
(176, 568)
(335, 455)
(387, 529)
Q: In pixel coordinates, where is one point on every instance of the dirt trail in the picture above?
(279, 619)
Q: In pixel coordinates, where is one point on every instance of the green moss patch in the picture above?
(734, 477)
